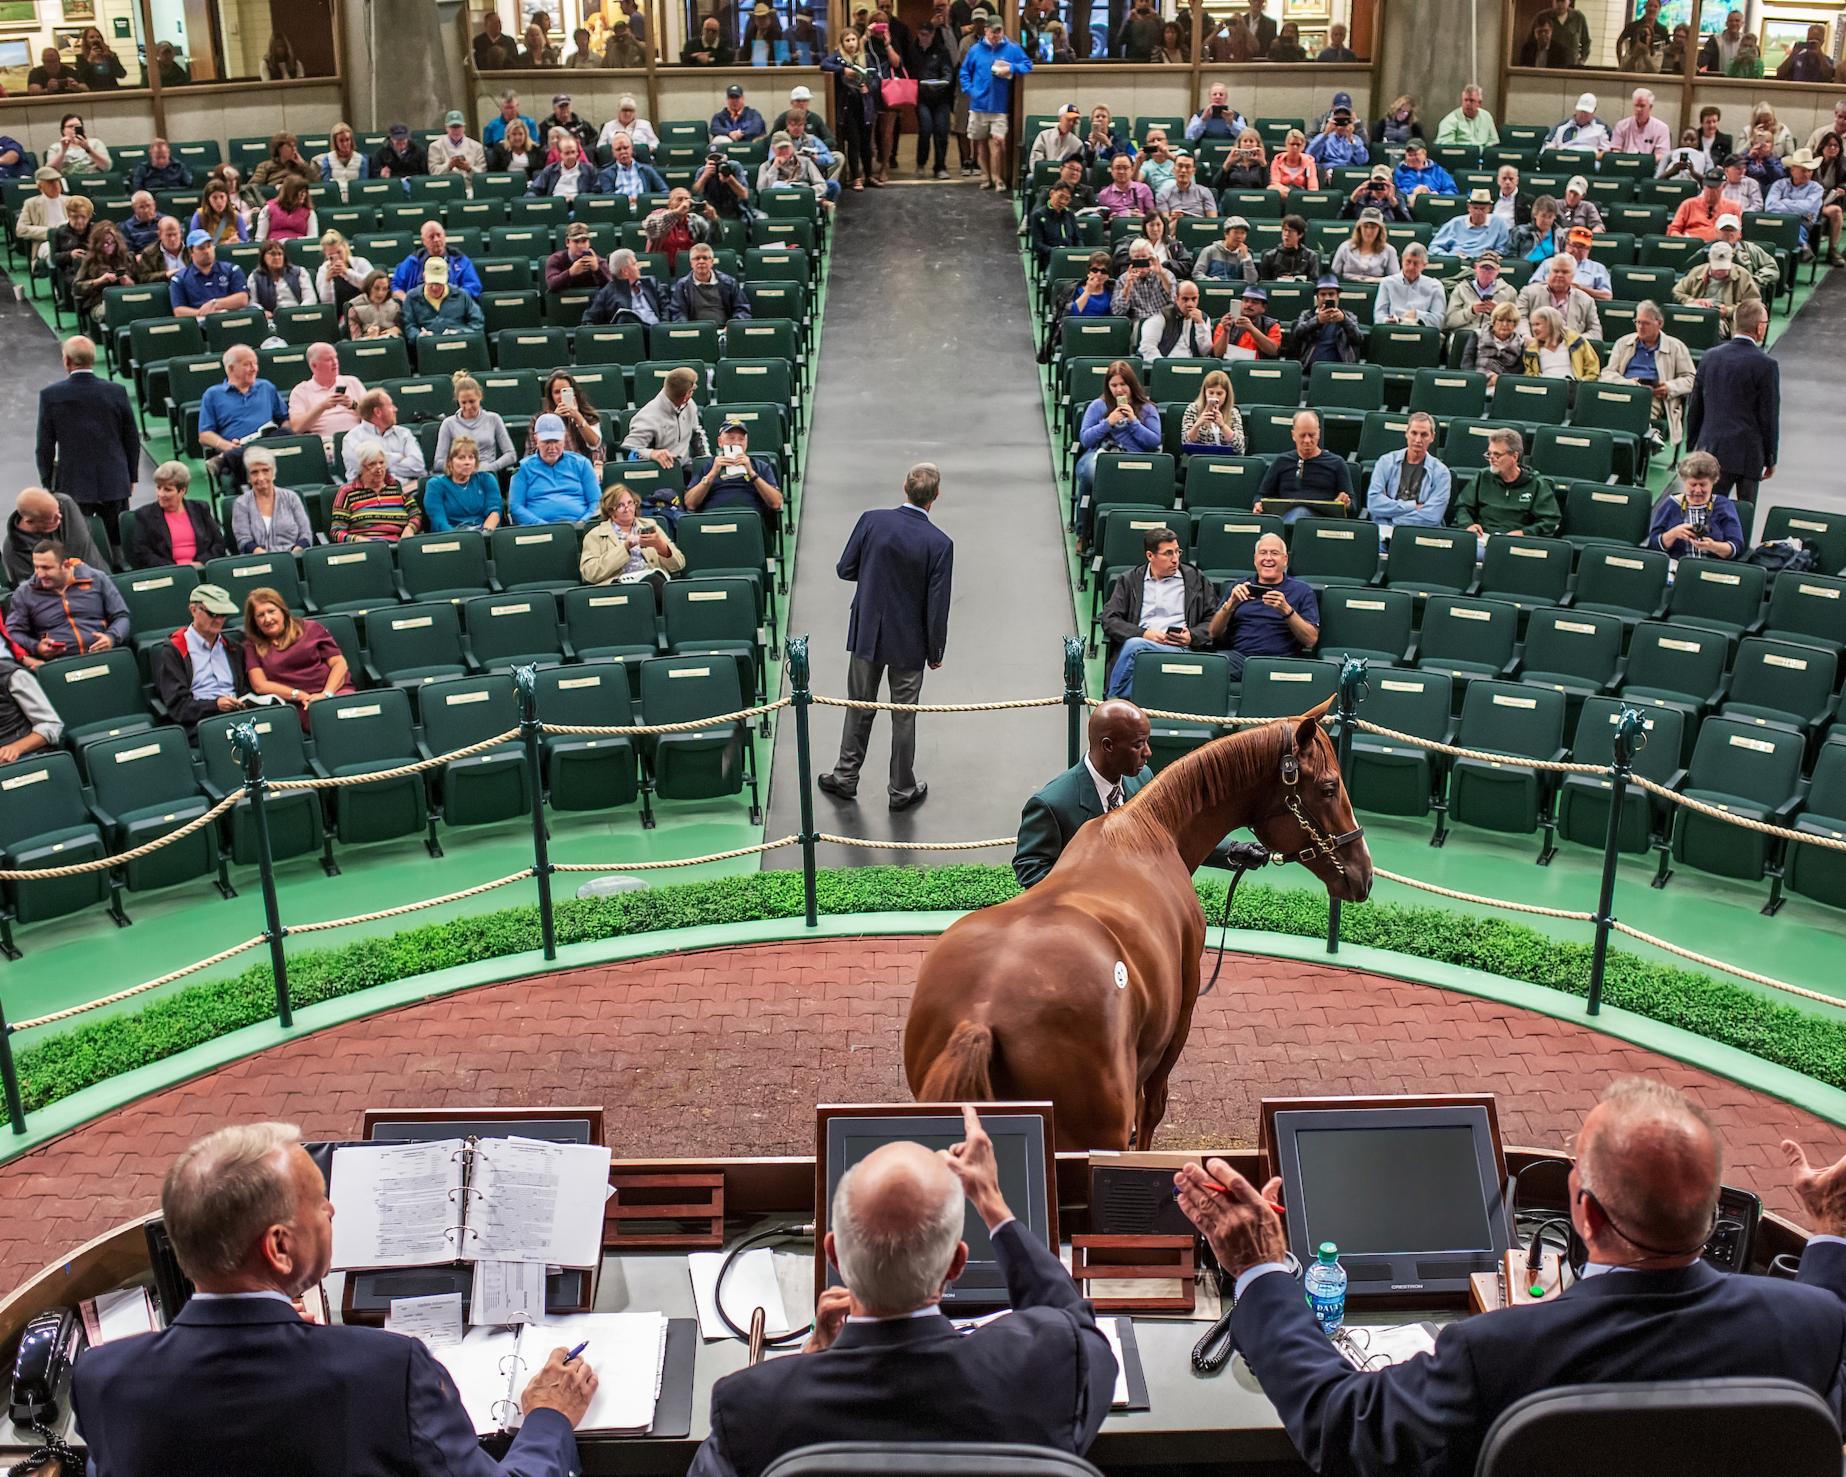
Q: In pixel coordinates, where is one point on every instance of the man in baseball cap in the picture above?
(1582, 129)
(737, 120)
(1062, 140)
(1698, 214)
(207, 285)
(554, 484)
(733, 478)
(1717, 283)
(401, 157)
(1750, 257)
(455, 152)
(801, 105)
(1248, 326)
(198, 670)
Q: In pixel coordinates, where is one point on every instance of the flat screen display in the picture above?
(1377, 1191)
(1009, 1153)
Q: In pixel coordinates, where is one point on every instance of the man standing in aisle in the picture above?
(903, 566)
(987, 73)
(88, 448)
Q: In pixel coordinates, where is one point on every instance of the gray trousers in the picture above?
(862, 679)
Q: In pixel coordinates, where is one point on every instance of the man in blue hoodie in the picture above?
(987, 73)
(554, 485)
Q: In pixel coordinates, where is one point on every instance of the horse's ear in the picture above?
(1308, 724)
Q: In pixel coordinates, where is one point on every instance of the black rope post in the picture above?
(801, 698)
(247, 745)
(9, 1075)
(1630, 739)
(1346, 707)
(1073, 699)
(525, 681)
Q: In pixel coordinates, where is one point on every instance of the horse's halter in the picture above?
(1322, 845)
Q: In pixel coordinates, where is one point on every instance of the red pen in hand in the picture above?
(1218, 1189)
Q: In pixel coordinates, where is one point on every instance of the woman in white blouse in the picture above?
(628, 120)
(342, 275)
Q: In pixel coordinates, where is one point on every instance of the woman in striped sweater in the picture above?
(375, 506)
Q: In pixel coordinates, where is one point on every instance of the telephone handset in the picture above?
(46, 1349)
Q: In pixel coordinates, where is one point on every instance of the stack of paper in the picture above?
(627, 1350)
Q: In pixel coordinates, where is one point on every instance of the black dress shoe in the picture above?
(915, 797)
(834, 788)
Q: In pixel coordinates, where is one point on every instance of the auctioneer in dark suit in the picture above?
(903, 566)
(244, 1384)
(1055, 813)
(1735, 413)
(1430, 1415)
(1043, 1375)
(87, 445)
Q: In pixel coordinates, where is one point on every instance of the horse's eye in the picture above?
(1330, 789)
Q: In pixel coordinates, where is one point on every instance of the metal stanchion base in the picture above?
(610, 886)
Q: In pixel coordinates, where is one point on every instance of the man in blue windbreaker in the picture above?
(987, 74)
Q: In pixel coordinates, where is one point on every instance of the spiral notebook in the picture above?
(490, 1367)
(424, 1203)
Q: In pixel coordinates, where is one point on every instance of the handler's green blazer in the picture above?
(1051, 818)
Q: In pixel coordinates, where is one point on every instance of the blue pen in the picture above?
(576, 1351)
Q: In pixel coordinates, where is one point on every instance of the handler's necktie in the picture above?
(1114, 802)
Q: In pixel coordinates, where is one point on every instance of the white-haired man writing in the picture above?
(883, 1362)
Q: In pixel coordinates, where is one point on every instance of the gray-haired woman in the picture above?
(266, 518)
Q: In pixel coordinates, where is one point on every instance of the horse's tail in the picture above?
(961, 1073)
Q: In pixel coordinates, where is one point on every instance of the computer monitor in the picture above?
(1019, 1141)
(1411, 1196)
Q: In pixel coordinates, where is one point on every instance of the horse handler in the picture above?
(1114, 767)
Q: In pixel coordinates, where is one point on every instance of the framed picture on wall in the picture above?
(1305, 10)
(1313, 40)
(66, 39)
(18, 15)
(79, 10)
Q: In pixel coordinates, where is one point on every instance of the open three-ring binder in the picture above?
(491, 1367)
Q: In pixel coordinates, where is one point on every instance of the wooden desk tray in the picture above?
(1136, 1259)
(664, 1212)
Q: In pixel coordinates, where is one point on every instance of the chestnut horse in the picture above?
(1082, 989)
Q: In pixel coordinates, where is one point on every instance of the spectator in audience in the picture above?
(1807, 61)
(1583, 129)
(629, 296)
(517, 152)
(341, 276)
(1293, 168)
(1272, 614)
(1419, 175)
(1145, 288)
(811, 148)
(266, 517)
(708, 48)
(1802, 196)
(70, 242)
(289, 216)
(1109, 773)
(785, 169)
(1246, 167)
(88, 448)
(553, 484)
(1287, 45)
(28, 722)
(1472, 300)
(378, 427)
(199, 669)
(1312, 474)
(1184, 195)
(1179, 331)
(217, 215)
(539, 52)
(1698, 214)
(1590, 277)
(160, 170)
(494, 50)
(343, 163)
(409, 273)
(167, 257)
(930, 59)
(1735, 408)
(1336, 49)
(736, 120)
(276, 282)
(1643, 1195)
(1556, 351)
(401, 157)
(374, 506)
(172, 72)
(1339, 146)
(238, 411)
(572, 175)
(733, 478)
(1835, 125)
(1121, 418)
(67, 608)
(1408, 296)
(1695, 522)
(1167, 603)
(462, 495)
(1229, 260)
(493, 446)
(1750, 257)
(624, 48)
(625, 546)
(1105, 139)
(1717, 282)
(1211, 423)
(627, 175)
(1641, 132)
(12, 157)
(1092, 297)
(297, 660)
(1062, 140)
(434, 307)
(559, 394)
(1473, 232)
(1721, 48)
(1542, 47)
(678, 225)
(563, 116)
(1168, 253)
(987, 74)
(577, 267)
(1508, 498)
(174, 528)
(74, 151)
(1470, 125)
(1217, 119)
(1410, 488)
(326, 402)
(1398, 124)
(1259, 30)
(141, 228)
(107, 263)
(667, 430)
(1642, 43)
(1124, 195)
(706, 295)
(495, 131)
(1053, 226)
(1139, 34)
(1687, 161)
(454, 152)
(1510, 203)
(1366, 255)
(897, 1219)
(1157, 160)
(628, 120)
(1499, 347)
(39, 515)
(1710, 138)
(721, 184)
(856, 103)
(1762, 166)
(284, 162)
(1376, 194)
(375, 313)
(1247, 331)
(1292, 260)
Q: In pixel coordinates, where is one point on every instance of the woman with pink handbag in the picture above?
(896, 90)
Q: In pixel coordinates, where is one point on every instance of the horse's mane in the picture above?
(1207, 777)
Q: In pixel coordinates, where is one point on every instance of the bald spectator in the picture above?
(1112, 768)
(1643, 1198)
(39, 515)
(160, 170)
(884, 1363)
(378, 427)
(164, 258)
(88, 447)
(327, 401)
(67, 608)
(667, 430)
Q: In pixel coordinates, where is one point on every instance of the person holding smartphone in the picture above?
(561, 396)
(65, 609)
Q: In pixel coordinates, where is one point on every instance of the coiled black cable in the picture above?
(768, 1233)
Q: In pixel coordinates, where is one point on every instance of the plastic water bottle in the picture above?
(1326, 1285)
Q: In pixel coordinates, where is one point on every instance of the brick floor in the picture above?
(727, 1052)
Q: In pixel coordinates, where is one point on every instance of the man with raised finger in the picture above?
(1644, 1200)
